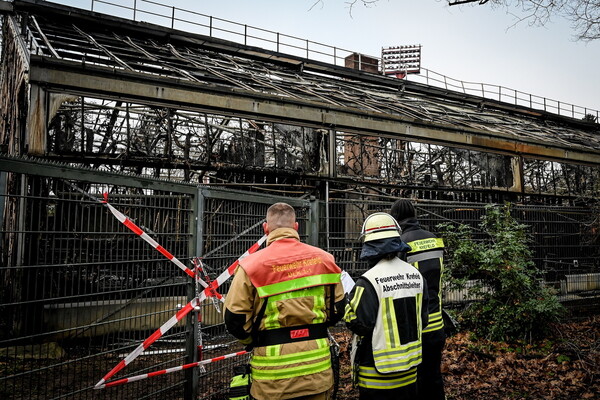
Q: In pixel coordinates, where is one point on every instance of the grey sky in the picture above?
(470, 43)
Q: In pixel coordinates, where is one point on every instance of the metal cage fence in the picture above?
(80, 290)
(562, 237)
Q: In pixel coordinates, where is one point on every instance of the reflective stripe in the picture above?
(272, 315)
(319, 304)
(390, 325)
(401, 358)
(286, 373)
(425, 256)
(274, 371)
(419, 311)
(425, 244)
(297, 284)
(435, 322)
(304, 356)
(349, 314)
(273, 351)
(400, 365)
(434, 326)
(369, 378)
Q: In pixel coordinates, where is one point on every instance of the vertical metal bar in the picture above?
(198, 217)
(210, 26)
(334, 56)
(553, 176)
(327, 241)
(470, 169)
(559, 108)
(278, 42)
(193, 336)
(128, 128)
(134, 8)
(332, 154)
(82, 124)
(313, 222)
(173, 17)
(92, 8)
(3, 177)
(306, 48)
(245, 34)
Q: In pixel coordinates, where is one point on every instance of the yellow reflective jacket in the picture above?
(297, 281)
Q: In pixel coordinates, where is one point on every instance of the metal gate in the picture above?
(232, 223)
(80, 291)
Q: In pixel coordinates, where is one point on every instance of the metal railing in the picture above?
(182, 19)
(504, 94)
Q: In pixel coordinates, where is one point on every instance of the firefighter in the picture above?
(294, 293)
(387, 311)
(426, 254)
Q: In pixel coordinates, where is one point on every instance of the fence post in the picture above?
(134, 8)
(306, 48)
(194, 249)
(313, 222)
(173, 18)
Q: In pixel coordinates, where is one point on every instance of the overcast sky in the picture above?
(470, 42)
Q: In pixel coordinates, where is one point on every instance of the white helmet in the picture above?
(380, 226)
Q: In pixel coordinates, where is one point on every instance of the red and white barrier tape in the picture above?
(231, 269)
(168, 370)
(138, 231)
(180, 314)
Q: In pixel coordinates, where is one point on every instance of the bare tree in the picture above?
(583, 14)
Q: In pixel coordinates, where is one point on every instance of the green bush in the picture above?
(512, 303)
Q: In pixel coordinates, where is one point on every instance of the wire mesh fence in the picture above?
(80, 291)
(564, 244)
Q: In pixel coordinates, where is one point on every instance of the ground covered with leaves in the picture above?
(564, 366)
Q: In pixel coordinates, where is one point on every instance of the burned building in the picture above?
(192, 136)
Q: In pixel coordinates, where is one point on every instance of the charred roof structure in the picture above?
(167, 126)
(122, 95)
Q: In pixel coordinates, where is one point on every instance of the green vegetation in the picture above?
(510, 303)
